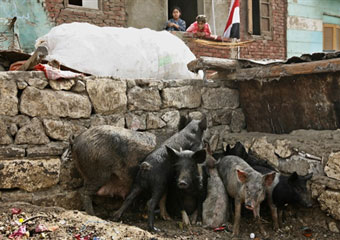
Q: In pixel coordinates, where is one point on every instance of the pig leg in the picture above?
(193, 217)
(273, 210)
(87, 196)
(162, 208)
(258, 220)
(152, 203)
(136, 190)
(185, 218)
(280, 216)
(237, 217)
(199, 212)
(87, 203)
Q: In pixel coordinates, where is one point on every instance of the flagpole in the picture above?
(213, 15)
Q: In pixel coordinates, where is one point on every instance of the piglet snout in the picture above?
(183, 184)
(249, 207)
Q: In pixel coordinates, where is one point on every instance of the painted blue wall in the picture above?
(308, 37)
(32, 21)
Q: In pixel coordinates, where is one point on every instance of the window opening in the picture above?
(84, 3)
(76, 2)
(256, 17)
(189, 10)
(259, 17)
(331, 37)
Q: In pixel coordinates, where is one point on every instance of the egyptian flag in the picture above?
(232, 30)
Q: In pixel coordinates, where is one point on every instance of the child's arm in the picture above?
(191, 28)
(182, 25)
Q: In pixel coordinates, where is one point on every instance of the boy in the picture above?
(200, 28)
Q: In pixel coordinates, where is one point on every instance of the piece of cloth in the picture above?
(232, 29)
(180, 22)
(52, 73)
(194, 28)
(16, 65)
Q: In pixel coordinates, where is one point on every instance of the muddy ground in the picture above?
(58, 223)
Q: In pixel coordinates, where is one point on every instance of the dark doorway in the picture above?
(76, 2)
(188, 7)
(256, 17)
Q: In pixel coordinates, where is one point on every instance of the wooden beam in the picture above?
(36, 58)
(210, 63)
(283, 70)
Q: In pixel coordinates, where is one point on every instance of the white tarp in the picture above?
(119, 52)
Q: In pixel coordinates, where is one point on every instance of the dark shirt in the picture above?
(180, 22)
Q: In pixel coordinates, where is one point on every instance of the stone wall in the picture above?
(37, 117)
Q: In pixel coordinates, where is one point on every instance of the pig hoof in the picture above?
(199, 223)
(154, 229)
(166, 218)
(116, 217)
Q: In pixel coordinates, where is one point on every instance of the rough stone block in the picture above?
(39, 83)
(12, 151)
(265, 150)
(30, 174)
(144, 99)
(62, 84)
(171, 118)
(47, 150)
(115, 120)
(35, 102)
(238, 121)
(182, 97)
(8, 97)
(108, 96)
(329, 202)
(300, 165)
(136, 122)
(153, 121)
(5, 138)
(332, 168)
(61, 130)
(32, 133)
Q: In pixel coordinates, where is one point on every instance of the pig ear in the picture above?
(309, 176)
(292, 178)
(242, 176)
(269, 178)
(200, 156)
(228, 149)
(203, 123)
(172, 153)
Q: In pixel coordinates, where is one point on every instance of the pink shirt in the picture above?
(194, 28)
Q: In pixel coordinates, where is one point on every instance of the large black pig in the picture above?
(107, 157)
(188, 188)
(157, 170)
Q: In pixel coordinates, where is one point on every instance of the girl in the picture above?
(176, 23)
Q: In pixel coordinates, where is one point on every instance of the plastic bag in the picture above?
(119, 52)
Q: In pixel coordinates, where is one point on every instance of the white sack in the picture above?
(119, 52)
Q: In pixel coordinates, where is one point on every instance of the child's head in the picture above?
(176, 12)
(201, 20)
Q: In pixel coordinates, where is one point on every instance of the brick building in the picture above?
(262, 21)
